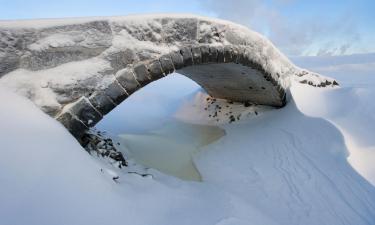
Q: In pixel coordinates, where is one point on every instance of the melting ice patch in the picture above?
(171, 149)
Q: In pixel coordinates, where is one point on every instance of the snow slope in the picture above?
(280, 166)
(47, 178)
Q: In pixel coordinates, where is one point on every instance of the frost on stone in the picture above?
(54, 62)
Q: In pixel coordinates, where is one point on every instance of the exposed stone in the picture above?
(220, 54)
(197, 56)
(166, 64)
(155, 70)
(98, 144)
(243, 58)
(205, 53)
(116, 93)
(228, 54)
(101, 102)
(177, 60)
(187, 56)
(73, 125)
(127, 80)
(213, 54)
(141, 74)
(85, 112)
(235, 53)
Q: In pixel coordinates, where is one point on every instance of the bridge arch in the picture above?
(228, 60)
(227, 72)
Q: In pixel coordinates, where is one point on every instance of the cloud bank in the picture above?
(291, 27)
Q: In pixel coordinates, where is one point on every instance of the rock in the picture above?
(85, 112)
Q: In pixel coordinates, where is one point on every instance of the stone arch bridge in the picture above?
(86, 67)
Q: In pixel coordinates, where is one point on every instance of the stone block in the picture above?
(116, 93)
(228, 54)
(235, 54)
(220, 54)
(213, 54)
(197, 55)
(243, 58)
(205, 52)
(187, 56)
(126, 79)
(141, 74)
(73, 125)
(101, 102)
(177, 60)
(85, 112)
(166, 64)
(155, 70)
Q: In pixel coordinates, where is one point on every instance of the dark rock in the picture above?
(187, 56)
(205, 53)
(197, 55)
(72, 124)
(83, 110)
(228, 57)
(166, 64)
(101, 102)
(116, 93)
(177, 60)
(220, 54)
(141, 74)
(213, 54)
(155, 70)
(127, 80)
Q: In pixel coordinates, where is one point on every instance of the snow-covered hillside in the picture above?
(310, 162)
(191, 158)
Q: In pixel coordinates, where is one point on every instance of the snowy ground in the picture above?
(310, 162)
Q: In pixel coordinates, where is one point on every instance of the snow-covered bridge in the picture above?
(78, 70)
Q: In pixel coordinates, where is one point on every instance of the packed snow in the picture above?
(310, 162)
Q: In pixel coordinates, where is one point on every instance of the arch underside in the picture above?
(224, 72)
(235, 82)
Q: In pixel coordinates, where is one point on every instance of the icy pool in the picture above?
(171, 149)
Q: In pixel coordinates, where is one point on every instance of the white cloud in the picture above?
(314, 35)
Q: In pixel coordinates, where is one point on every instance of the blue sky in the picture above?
(305, 27)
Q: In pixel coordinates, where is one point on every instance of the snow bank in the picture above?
(47, 178)
(277, 167)
(291, 167)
